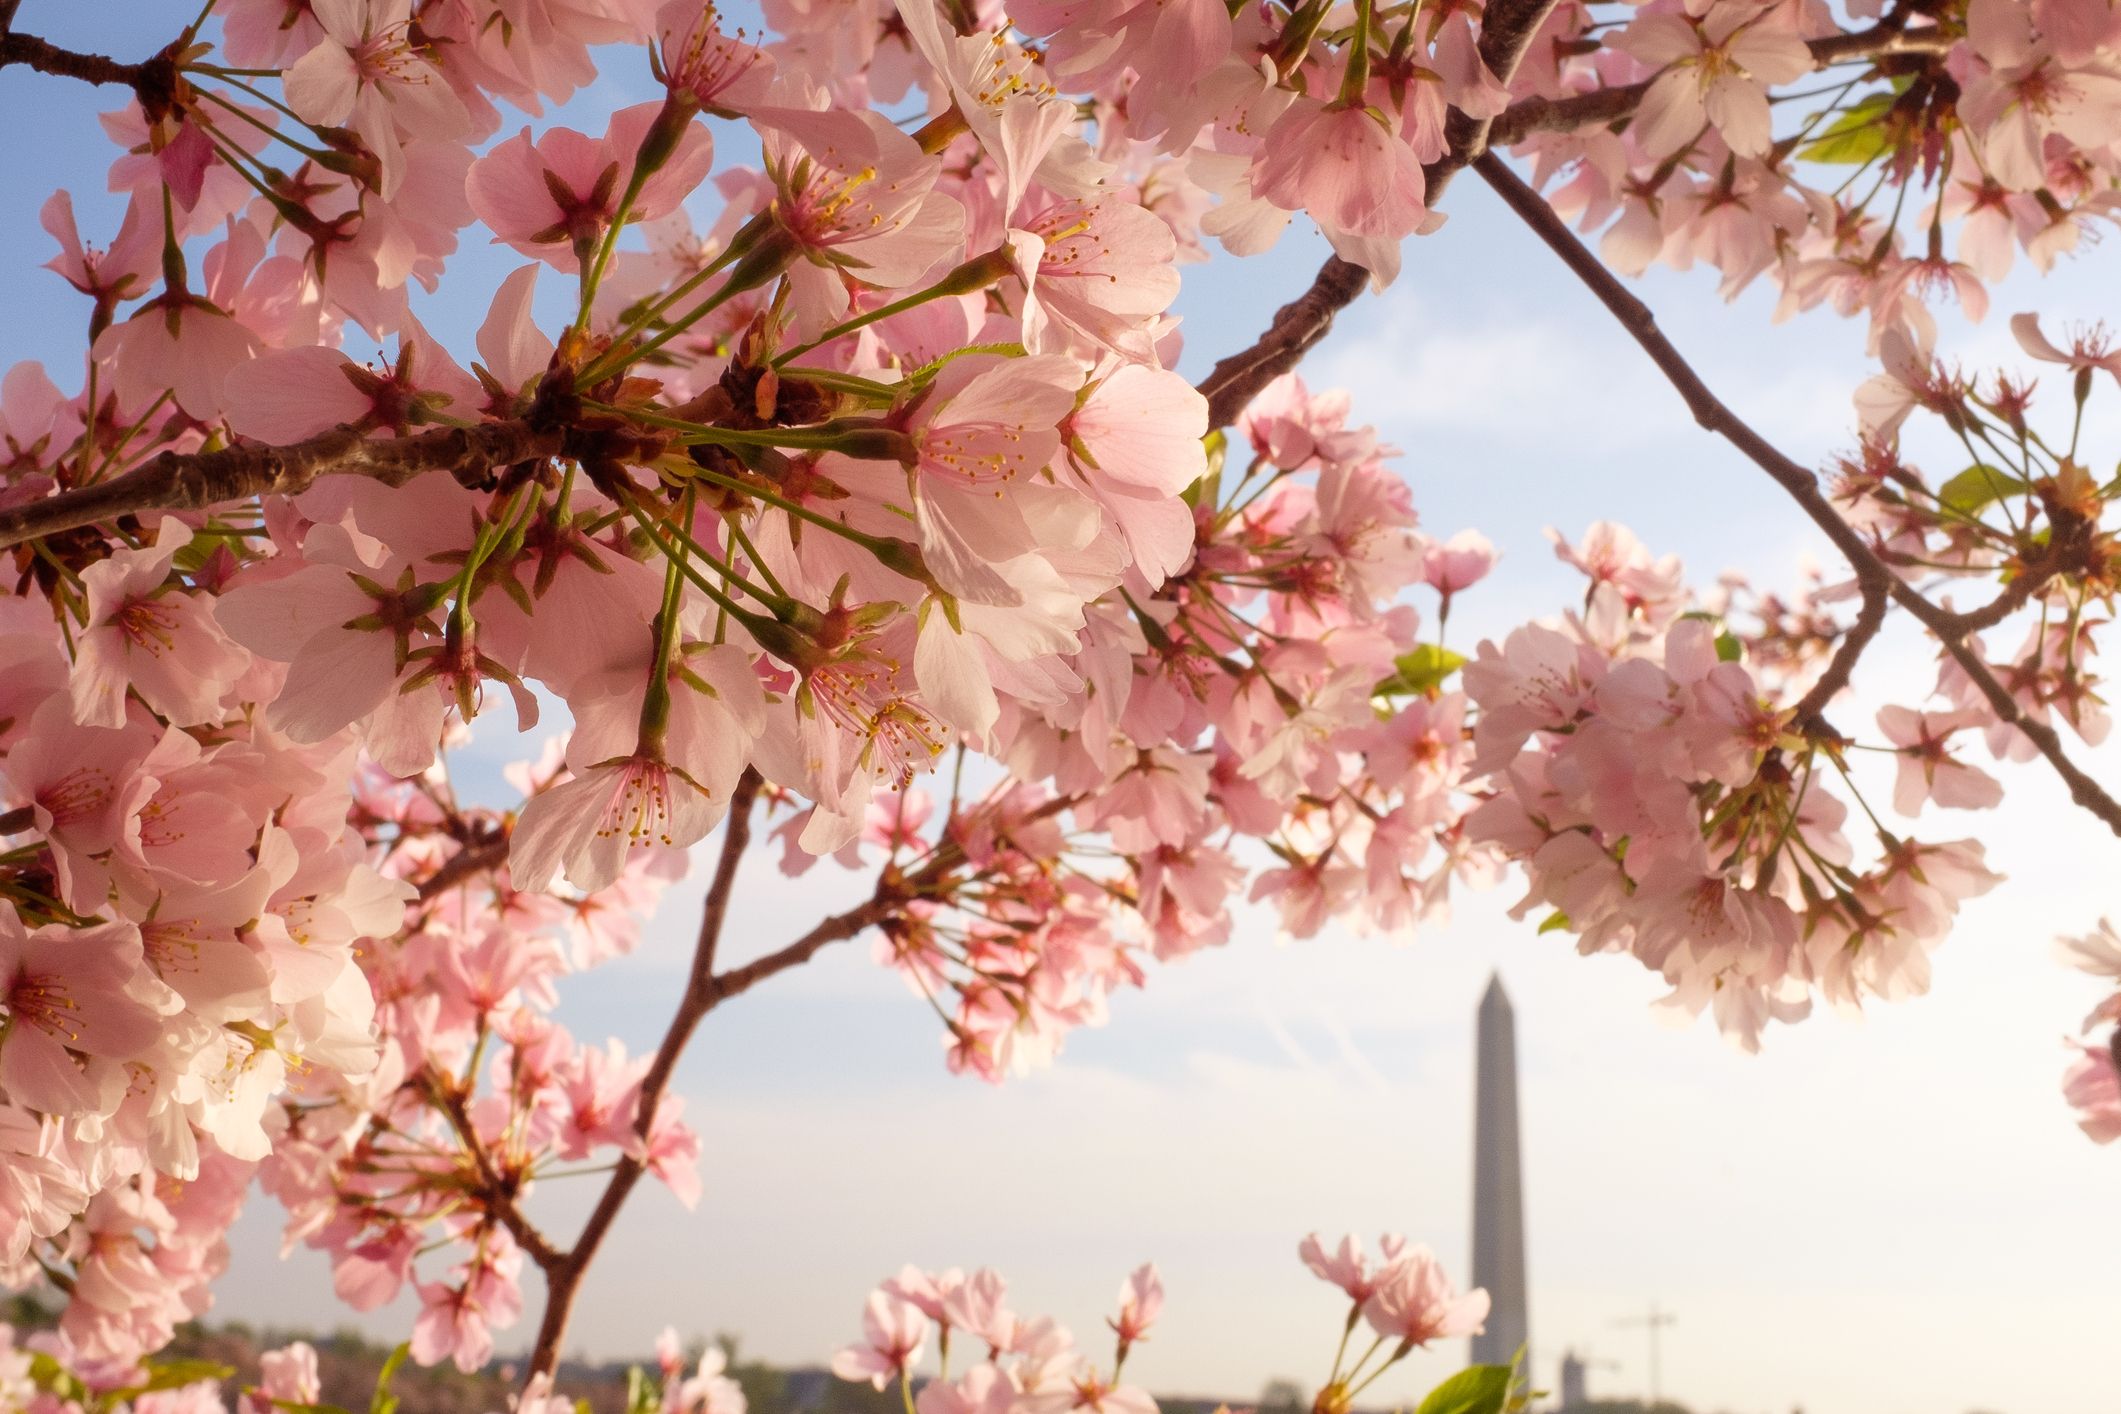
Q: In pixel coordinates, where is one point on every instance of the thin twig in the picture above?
(1507, 30)
(476, 857)
(837, 928)
(2070, 545)
(498, 1190)
(1801, 484)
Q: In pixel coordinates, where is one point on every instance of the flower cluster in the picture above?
(1033, 1366)
(1998, 118)
(1667, 803)
(181, 910)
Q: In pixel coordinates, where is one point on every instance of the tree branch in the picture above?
(1506, 30)
(837, 928)
(563, 1279)
(47, 58)
(1801, 484)
(1870, 617)
(705, 989)
(476, 857)
(196, 481)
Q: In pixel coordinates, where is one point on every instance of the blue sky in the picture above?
(1875, 1216)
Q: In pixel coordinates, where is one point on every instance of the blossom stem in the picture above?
(268, 129)
(671, 552)
(974, 274)
(757, 264)
(1357, 1368)
(593, 273)
(1340, 1352)
(655, 702)
(751, 552)
(1397, 1355)
(1356, 77)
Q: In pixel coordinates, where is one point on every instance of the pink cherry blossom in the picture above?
(148, 636)
(70, 1016)
(367, 73)
(1141, 1301)
(1415, 1303)
(554, 198)
(893, 1330)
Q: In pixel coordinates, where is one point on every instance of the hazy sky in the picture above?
(1886, 1216)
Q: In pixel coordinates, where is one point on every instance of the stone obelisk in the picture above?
(1498, 1183)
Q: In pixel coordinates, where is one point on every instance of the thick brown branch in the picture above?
(1800, 483)
(47, 58)
(1609, 105)
(1507, 27)
(199, 480)
(563, 1280)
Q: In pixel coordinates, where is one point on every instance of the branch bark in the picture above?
(1870, 617)
(706, 989)
(1802, 486)
(194, 481)
(563, 1279)
(47, 58)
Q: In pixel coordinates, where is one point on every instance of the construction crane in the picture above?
(1654, 1322)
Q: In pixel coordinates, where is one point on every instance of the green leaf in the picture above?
(1556, 922)
(925, 374)
(46, 1373)
(1428, 667)
(383, 1401)
(640, 1395)
(1207, 491)
(1979, 486)
(1479, 1389)
(175, 1374)
(1728, 648)
(170, 1374)
(1854, 138)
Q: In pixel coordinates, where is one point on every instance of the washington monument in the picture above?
(1498, 1183)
